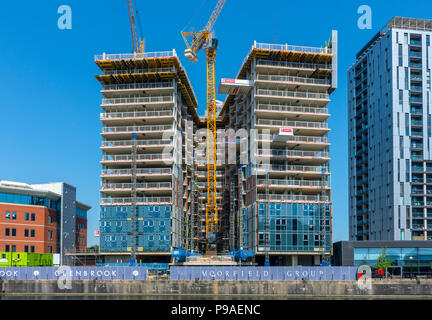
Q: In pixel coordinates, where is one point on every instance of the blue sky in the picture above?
(50, 128)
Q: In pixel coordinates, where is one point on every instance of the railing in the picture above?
(136, 114)
(416, 111)
(267, 77)
(121, 157)
(286, 47)
(301, 65)
(138, 171)
(300, 139)
(121, 143)
(145, 85)
(138, 200)
(284, 93)
(415, 54)
(136, 129)
(292, 153)
(287, 108)
(415, 99)
(417, 133)
(143, 70)
(159, 54)
(306, 183)
(295, 197)
(148, 185)
(416, 42)
(306, 124)
(279, 167)
(415, 65)
(416, 88)
(137, 100)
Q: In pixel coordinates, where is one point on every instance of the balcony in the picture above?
(279, 183)
(415, 54)
(158, 158)
(415, 76)
(416, 88)
(140, 200)
(135, 86)
(295, 82)
(130, 101)
(305, 156)
(276, 169)
(415, 100)
(415, 65)
(311, 67)
(106, 173)
(120, 187)
(124, 145)
(124, 117)
(125, 132)
(299, 112)
(300, 127)
(291, 198)
(415, 42)
(276, 95)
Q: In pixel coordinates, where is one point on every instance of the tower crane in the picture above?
(205, 38)
(137, 42)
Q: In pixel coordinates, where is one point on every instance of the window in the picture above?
(26, 233)
(26, 248)
(32, 249)
(32, 233)
(33, 217)
(14, 215)
(7, 248)
(13, 232)
(26, 216)
(8, 215)
(49, 249)
(7, 232)
(13, 248)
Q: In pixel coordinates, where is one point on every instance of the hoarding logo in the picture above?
(365, 20)
(364, 278)
(65, 279)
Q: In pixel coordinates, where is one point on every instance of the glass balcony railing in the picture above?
(417, 133)
(138, 200)
(415, 65)
(416, 76)
(416, 111)
(148, 156)
(416, 122)
(145, 85)
(415, 99)
(294, 94)
(151, 171)
(122, 143)
(416, 88)
(279, 78)
(108, 101)
(415, 54)
(136, 129)
(136, 114)
(415, 42)
(288, 108)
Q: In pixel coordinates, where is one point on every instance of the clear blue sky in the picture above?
(50, 128)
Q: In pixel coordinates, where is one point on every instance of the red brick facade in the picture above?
(41, 234)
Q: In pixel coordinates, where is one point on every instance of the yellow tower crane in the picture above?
(205, 38)
(137, 43)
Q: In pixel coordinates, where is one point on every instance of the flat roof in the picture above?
(410, 23)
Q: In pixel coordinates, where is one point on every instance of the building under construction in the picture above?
(272, 159)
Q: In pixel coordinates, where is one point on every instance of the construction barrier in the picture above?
(73, 273)
(263, 273)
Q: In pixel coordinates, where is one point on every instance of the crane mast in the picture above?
(206, 38)
(137, 44)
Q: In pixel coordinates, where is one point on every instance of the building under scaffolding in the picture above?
(273, 193)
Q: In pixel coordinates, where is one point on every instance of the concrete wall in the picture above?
(200, 288)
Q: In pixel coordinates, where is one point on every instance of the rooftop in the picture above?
(410, 23)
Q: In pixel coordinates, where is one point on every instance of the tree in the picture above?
(383, 262)
(94, 248)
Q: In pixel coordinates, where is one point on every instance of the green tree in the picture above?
(94, 248)
(383, 262)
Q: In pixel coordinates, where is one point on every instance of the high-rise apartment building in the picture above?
(390, 154)
(280, 180)
(154, 157)
(147, 105)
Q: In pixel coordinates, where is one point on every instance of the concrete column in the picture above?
(316, 260)
(294, 260)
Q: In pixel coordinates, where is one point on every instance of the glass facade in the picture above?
(153, 222)
(30, 200)
(413, 260)
(81, 213)
(293, 227)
